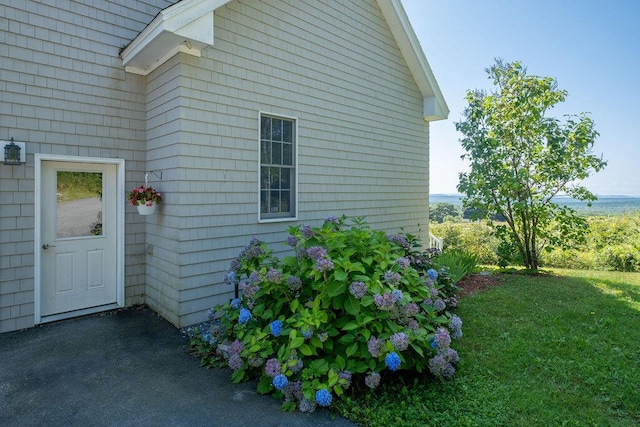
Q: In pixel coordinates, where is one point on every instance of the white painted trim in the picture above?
(120, 196)
(295, 120)
(187, 26)
(78, 313)
(407, 41)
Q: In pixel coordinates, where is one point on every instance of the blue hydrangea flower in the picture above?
(456, 327)
(273, 367)
(400, 341)
(391, 277)
(392, 361)
(280, 381)
(397, 295)
(372, 380)
(432, 274)
(332, 219)
(358, 289)
(294, 283)
(323, 397)
(323, 264)
(307, 333)
(307, 232)
(235, 303)
(274, 275)
(292, 241)
(231, 277)
(403, 262)
(276, 328)
(245, 316)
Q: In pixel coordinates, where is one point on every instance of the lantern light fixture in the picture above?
(14, 152)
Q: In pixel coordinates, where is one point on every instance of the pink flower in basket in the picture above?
(144, 195)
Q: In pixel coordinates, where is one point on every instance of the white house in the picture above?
(249, 116)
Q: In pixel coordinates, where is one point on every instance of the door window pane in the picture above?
(79, 204)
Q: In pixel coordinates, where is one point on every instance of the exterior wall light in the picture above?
(14, 153)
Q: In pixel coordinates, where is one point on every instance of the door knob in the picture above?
(46, 246)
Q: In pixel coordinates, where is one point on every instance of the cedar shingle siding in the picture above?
(362, 141)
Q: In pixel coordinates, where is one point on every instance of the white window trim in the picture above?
(295, 157)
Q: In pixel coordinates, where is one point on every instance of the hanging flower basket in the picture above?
(146, 199)
(146, 208)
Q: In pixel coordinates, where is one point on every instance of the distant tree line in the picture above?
(443, 212)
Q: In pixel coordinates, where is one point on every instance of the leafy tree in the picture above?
(439, 211)
(520, 159)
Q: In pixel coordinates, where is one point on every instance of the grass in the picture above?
(562, 348)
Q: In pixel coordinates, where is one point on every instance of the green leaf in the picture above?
(296, 342)
(336, 288)
(237, 376)
(264, 385)
(351, 326)
(346, 339)
(306, 350)
(340, 275)
(352, 349)
(351, 305)
(320, 365)
(417, 349)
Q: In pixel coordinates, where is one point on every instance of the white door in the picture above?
(78, 236)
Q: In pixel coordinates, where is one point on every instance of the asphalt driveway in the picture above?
(127, 367)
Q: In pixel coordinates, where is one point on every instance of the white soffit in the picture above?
(187, 27)
(434, 104)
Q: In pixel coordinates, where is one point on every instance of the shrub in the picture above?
(473, 237)
(459, 263)
(623, 257)
(349, 304)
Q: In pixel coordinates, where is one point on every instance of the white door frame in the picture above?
(120, 191)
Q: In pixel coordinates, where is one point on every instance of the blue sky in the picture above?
(592, 49)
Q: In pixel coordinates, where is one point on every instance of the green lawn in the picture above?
(557, 349)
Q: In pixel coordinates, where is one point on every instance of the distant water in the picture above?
(605, 205)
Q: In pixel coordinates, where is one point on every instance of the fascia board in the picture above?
(398, 21)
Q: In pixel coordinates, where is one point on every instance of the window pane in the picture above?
(287, 131)
(264, 178)
(265, 152)
(274, 182)
(79, 206)
(285, 201)
(274, 202)
(277, 154)
(287, 154)
(265, 126)
(276, 129)
(264, 201)
(285, 179)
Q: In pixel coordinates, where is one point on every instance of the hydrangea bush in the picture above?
(350, 303)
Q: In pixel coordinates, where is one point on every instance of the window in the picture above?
(277, 167)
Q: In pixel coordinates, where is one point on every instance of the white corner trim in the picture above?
(187, 26)
(435, 106)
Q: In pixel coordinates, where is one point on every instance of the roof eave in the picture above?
(186, 26)
(434, 105)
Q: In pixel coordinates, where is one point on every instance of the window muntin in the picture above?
(277, 167)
